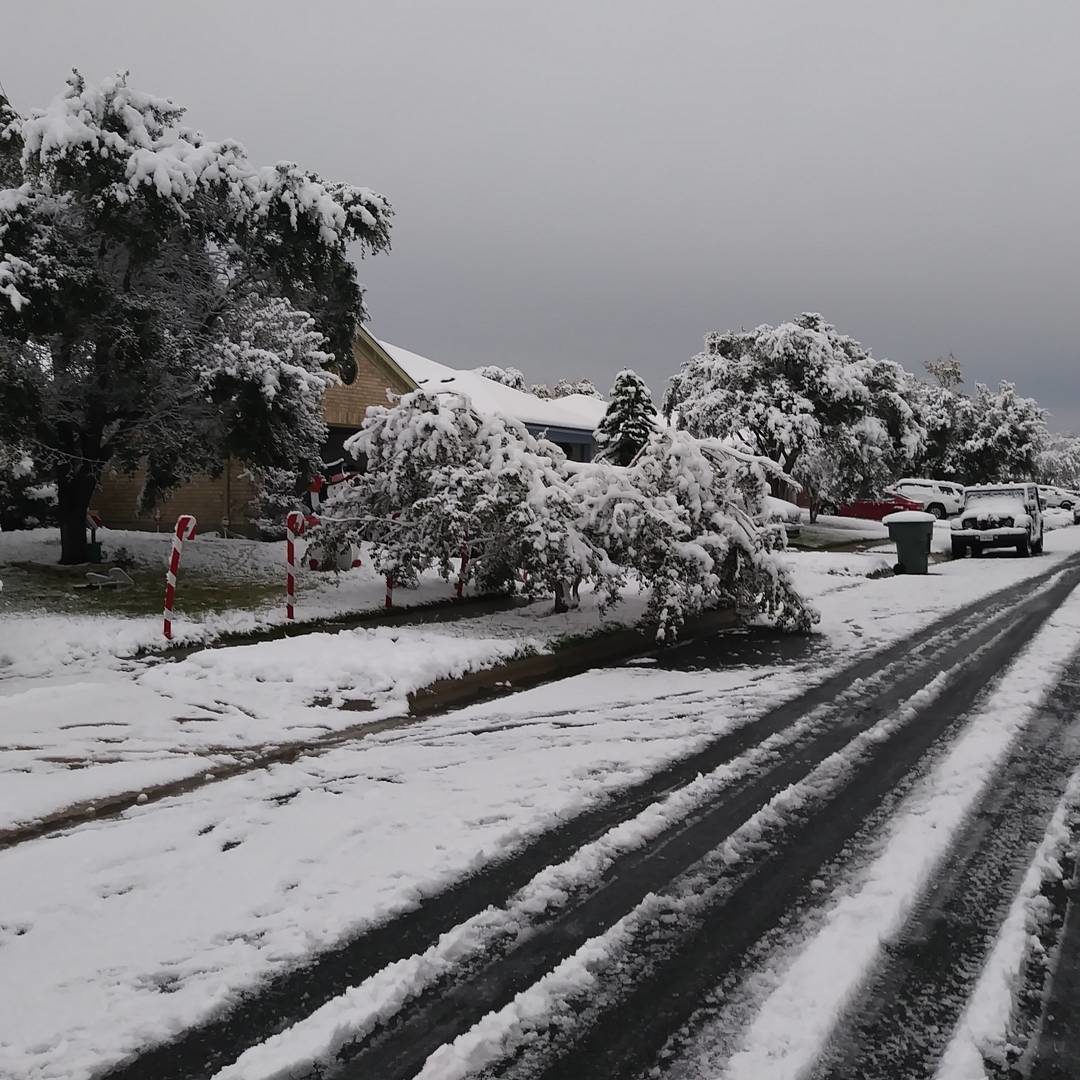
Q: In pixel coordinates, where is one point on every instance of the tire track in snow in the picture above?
(911, 1003)
(899, 670)
(400, 1047)
(619, 1021)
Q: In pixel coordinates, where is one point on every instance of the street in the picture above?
(747, 856)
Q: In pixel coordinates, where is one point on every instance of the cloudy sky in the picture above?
(583, 186)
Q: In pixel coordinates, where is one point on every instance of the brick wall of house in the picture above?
(218, 503)
(223, 502)
(345, 406)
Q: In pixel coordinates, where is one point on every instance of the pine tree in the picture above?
(629, 421)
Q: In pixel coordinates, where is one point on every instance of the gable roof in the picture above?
(575, 412)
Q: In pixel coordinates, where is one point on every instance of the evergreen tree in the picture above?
(629, 421)
(164, 302)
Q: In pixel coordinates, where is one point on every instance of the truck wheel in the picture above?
(937, 510)
(1023, 546)
(959, 548)
(976, 550)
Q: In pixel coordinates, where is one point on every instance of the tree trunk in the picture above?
(73, 500)
(560, 598)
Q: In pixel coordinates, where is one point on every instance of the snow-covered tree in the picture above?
(948, 418)
(682, 520)
(26, 501)
(564, 388)
(629, 421)
(439, 475)
(508, 376)
(1059, 462)
(1007, 438)
(803, 395)
(946, 372)
(163, 301)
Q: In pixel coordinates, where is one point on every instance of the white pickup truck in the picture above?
(999, 515)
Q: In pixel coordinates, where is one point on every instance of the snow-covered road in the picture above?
(120, 934)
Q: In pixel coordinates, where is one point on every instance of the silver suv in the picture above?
(999, 515)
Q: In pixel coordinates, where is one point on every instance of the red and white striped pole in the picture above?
(294, 529)
(185, 530)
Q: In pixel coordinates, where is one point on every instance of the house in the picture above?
(222, 503)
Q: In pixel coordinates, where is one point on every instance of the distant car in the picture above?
(942, 498)
(999, 515)
(873, 508)
(1055, 496)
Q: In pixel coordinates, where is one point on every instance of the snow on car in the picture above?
(1003, 515)
(938, 497)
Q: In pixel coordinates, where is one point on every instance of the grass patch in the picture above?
(53, 589)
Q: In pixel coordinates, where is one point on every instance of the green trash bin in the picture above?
(912, 531)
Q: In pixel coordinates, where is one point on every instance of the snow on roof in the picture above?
(577, 411)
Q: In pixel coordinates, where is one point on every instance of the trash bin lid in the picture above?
(909, 517)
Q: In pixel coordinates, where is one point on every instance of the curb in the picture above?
(469, 607)
(566, 660)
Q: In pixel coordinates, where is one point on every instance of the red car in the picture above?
(874, 509)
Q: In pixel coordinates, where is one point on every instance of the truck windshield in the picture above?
(996, 493)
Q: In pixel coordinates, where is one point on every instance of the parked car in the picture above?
(1055, 496)
(873, 508)
(999, 515)
(942, 498)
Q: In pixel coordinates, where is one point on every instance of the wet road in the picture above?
(679, 914)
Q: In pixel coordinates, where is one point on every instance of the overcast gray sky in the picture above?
(584, 186)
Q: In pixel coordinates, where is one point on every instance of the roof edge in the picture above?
(376, 346)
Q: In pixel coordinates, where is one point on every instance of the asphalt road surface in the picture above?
(692, 920)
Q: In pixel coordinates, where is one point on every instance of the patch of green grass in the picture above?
(56, 589)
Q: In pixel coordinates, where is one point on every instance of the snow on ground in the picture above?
(813, 986)
(91, 734)
(981, 1034)
(130, 929)
(82, 740)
